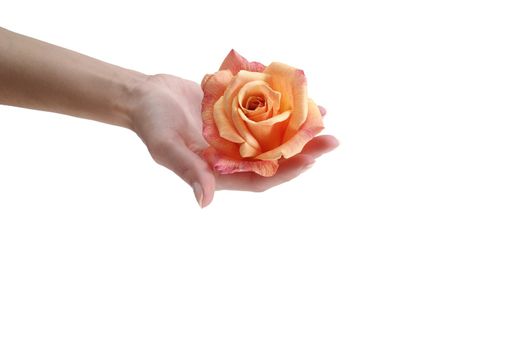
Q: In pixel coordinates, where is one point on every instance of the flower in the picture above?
(255, 115)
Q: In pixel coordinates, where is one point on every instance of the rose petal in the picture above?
(292, 84)
(312, 126)
(226, 165)
(205, 78)
(214, 85)
(267, 128)
(247, 151)
(242, 129)
(261, 112)
(243, 77)
(272, 99)
(224, 123)
(253, 103)
(236, 62)
(213, 88)
(269, 132)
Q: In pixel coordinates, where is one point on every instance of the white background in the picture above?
(409, 236)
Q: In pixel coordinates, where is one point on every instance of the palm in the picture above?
(169, 123)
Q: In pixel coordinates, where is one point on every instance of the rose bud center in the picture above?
(255, 102)
(258, 101)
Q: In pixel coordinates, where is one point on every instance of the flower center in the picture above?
(255, 102)
(258, 101)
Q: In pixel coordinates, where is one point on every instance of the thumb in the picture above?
(176, 156)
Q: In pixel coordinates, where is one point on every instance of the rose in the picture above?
(255, 115)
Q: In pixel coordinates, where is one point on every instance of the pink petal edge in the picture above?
(225, 165)
(236, 62)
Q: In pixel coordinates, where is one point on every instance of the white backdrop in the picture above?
(408, 236)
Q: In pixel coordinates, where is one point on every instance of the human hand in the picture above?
(166, 115)
(164, 110)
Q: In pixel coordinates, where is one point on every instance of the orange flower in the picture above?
(254, 115)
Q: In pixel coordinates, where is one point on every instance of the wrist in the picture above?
(143, 94)
(131, 89)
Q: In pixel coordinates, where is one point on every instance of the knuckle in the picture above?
(186, 173)
(159, 148)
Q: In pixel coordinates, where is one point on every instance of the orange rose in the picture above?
(253, 115)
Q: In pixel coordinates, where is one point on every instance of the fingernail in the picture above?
(198, 193)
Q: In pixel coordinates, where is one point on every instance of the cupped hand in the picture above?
(166, 115)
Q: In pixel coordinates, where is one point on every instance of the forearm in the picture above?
(38, 75)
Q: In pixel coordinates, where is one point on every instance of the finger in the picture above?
(320, 145)
(176, 156)
(288, 170)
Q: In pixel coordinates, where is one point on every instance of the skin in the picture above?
(163, 110)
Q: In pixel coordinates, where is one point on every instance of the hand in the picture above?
(166, 115)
